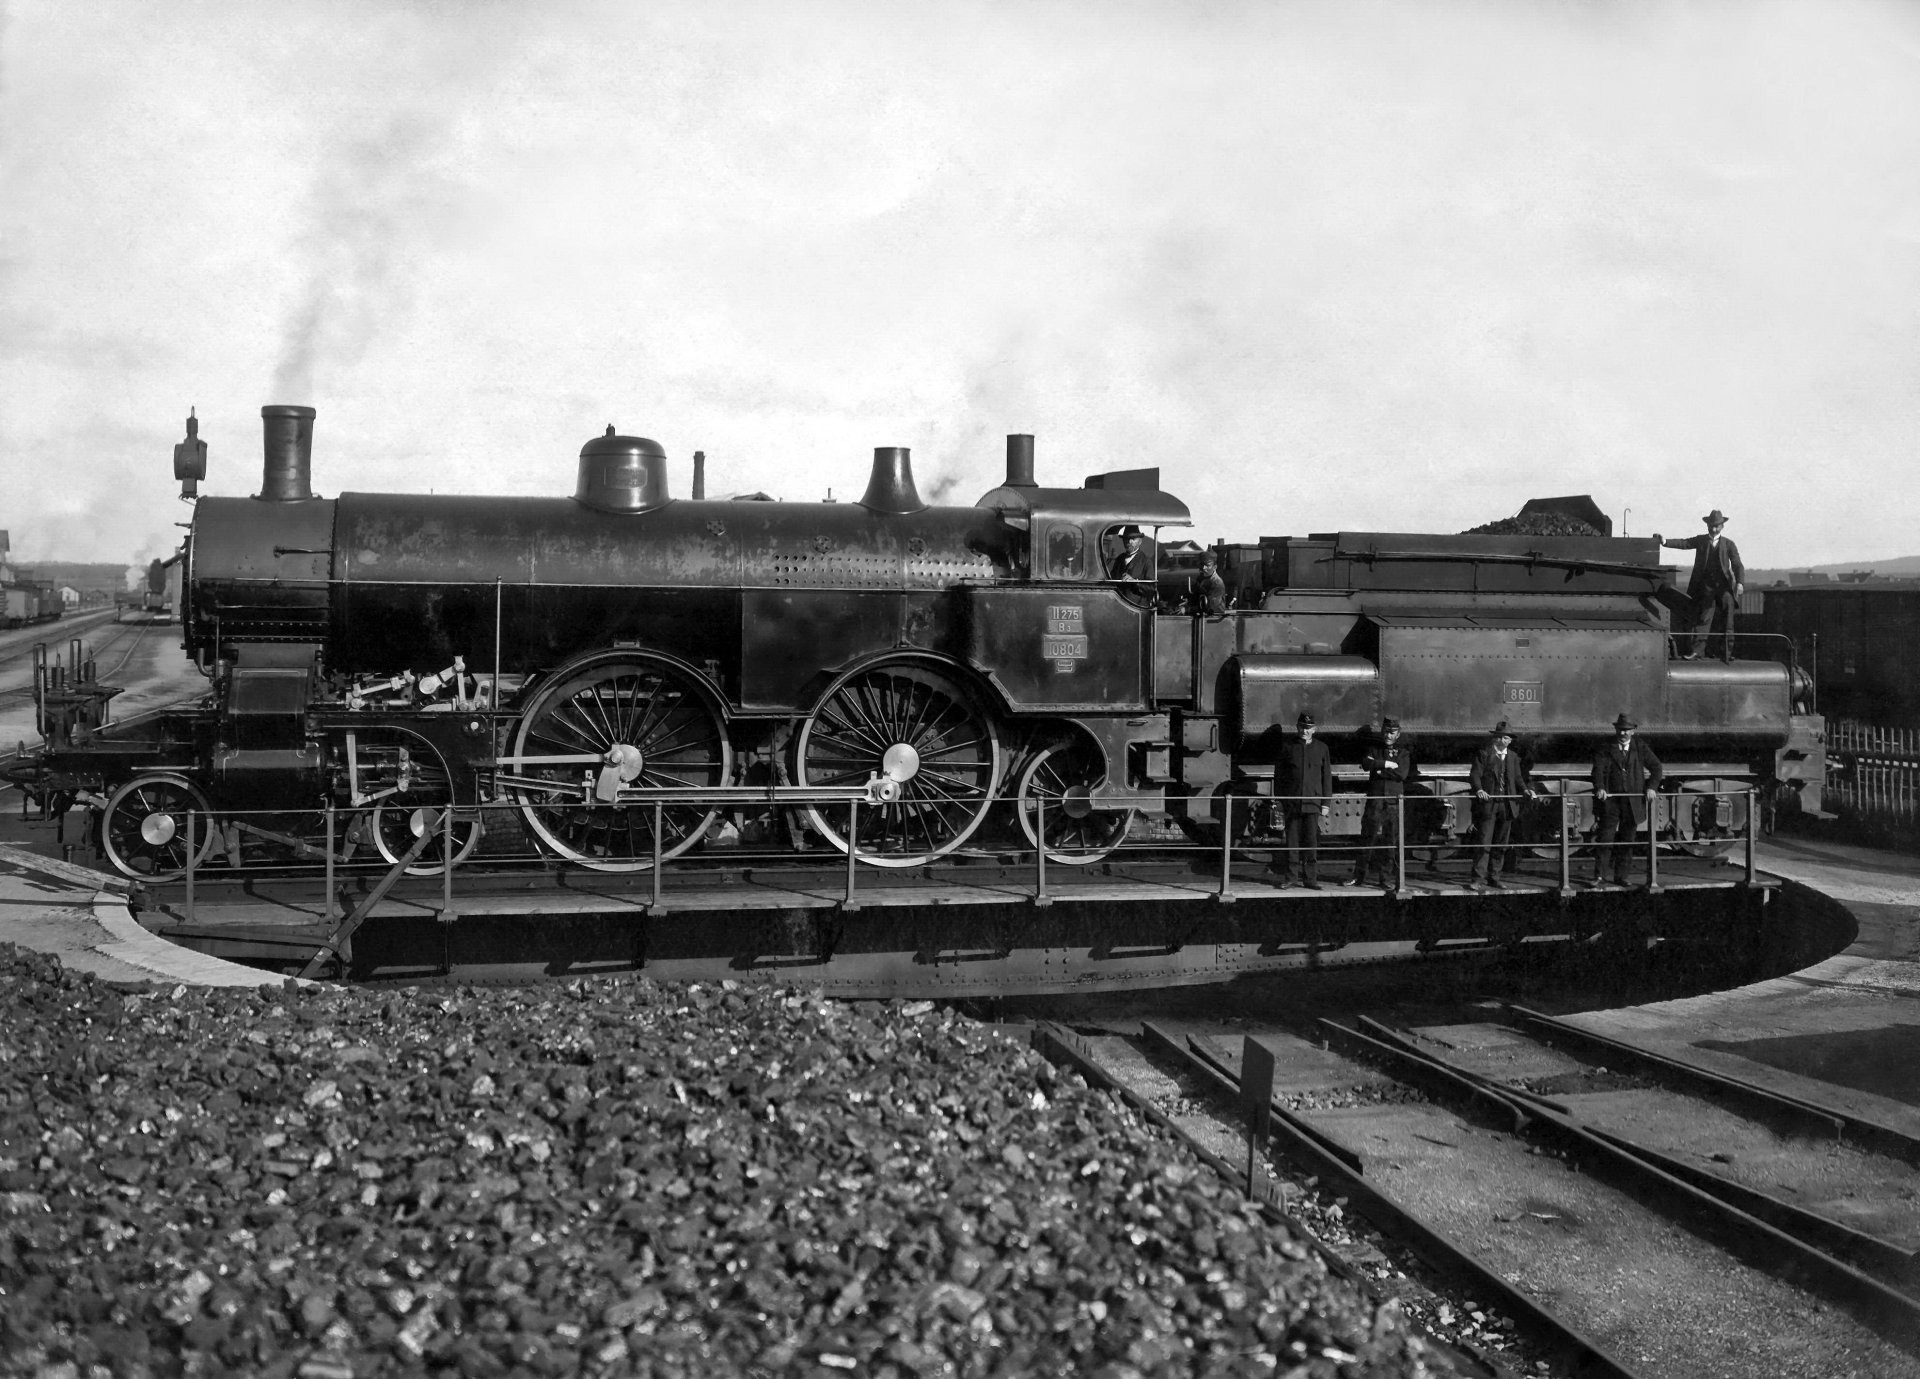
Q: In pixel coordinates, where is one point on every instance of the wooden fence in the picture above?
(1874, 772)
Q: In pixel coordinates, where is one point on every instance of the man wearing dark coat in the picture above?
(1498, 784)
(1716, 584)
(1389, 766)
(1133, 560)
(1210, 591)
(1623, 773)
(1303, 783)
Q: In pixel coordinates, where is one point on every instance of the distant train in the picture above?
(1861, 641)
(610, 665)
(31, 601)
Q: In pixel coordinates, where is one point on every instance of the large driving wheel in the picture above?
(646, 725)
(919, 730)
(144, 827)
(1058, 786)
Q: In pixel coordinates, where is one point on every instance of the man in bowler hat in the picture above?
(1716, 584)
(1303, 781)
(1623, 773)
(1389, 766)
(1498, 784)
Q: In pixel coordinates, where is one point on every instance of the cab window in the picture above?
(1066, 551)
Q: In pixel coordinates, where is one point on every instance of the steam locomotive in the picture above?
(622, 668)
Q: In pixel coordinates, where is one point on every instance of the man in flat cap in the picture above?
(1716, 584)
(1303, 785)
(1499, 785)
(1623, 772)
(1389, 766)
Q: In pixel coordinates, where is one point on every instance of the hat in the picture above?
(1501, 729)
(1387, 725)
(1305, 721)
(1128, 533)
(1715, 518)
(1623, 724)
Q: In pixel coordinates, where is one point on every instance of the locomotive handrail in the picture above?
(1656, 573)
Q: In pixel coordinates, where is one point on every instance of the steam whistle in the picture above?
(190, 460)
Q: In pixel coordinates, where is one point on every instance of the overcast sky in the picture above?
(1391, 266)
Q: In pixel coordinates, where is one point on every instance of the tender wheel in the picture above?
(1539, 826)
(1062, 779)
(920, 730)
(144, 827)
(1705, 825)
(647, 725)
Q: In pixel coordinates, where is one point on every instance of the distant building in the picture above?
(69, 597)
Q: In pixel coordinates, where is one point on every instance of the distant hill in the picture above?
(1901, 567)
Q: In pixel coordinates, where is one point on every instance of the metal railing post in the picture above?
(659, 860)
(853, 850)
(326, 912)
(1226, 852)
(446, 871)
(1753, 814)
(190, 851)
(1400, 843)
(1566, 845)
(1653, 842)
(1040, 896)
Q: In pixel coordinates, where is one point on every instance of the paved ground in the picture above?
(81, 917)
(1845, 1032)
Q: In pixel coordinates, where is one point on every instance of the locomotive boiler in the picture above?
(619, 667)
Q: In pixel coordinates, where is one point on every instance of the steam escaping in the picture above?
(374, 211)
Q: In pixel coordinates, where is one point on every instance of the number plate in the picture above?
(1524, 692)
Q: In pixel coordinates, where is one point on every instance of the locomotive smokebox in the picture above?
(622, 474)
(288, 475)
(891, 487)
(1020, 462)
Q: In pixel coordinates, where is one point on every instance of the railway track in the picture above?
(1524, 1196)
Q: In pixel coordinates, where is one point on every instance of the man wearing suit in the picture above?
(1389, 767)
(1623, 773)
(1498, 784)
(1303, 781)
(1715, 587)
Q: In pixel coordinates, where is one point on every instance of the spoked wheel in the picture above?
(396, 827)
(628, 723)
(144, 827)
(919, 730)
(393, 759)
(1057, 786)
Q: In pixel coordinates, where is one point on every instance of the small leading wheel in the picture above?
(1058, 785)
(622, 721)
(143, 829)
(935, 749)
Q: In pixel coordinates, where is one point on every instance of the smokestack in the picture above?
(1020, 462)
(891, 487)
(699, 474)
(289, 461)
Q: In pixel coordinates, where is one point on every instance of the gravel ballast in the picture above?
(611, 1177)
